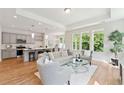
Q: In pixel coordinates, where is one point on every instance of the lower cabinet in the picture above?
(8, 53)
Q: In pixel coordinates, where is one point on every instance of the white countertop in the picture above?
(36, 49)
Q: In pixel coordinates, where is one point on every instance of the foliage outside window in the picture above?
(98, 41)
(85, 41)
(76, 41)
(61, 39)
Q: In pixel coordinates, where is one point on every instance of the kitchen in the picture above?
(14, 43)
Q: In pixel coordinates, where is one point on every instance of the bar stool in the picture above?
(32, 56)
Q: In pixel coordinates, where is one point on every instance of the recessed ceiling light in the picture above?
(67, 10)
(15, 16)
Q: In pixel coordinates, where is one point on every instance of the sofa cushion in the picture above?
(63, 59)
(64, 53)
(57, 54)
(48, 61)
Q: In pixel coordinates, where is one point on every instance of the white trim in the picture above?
(83, 26)
(76, 43)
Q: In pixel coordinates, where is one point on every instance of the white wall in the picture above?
(108, 28)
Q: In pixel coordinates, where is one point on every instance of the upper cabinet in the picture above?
(29, 39)
(5, 38)
(39, 37)
(19, 36)
(12, 38)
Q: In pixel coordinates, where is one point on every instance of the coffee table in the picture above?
(77, 66)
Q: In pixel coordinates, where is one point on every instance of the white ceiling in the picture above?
(24, 23)
(76, 14)
(53, 20)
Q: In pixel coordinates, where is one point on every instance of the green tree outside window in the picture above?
(85, 41)
(98, 41)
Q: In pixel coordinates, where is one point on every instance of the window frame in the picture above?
(91, 34)
(76, 43)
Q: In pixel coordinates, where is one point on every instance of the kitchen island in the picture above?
(33, 53)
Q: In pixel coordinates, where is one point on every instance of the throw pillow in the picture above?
(87, 53)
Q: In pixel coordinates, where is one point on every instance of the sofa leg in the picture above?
(68, 82)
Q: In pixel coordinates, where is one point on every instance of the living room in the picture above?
(34, 43)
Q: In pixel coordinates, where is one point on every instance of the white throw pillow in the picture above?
(48, 61)
(56, 54)
(87, 53)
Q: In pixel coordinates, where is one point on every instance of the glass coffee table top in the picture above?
(77, 66)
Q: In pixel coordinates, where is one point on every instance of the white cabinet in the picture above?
(19, 36)
(29, 39)
(12, 53)
(8, 53)
(39, 36)
(5, 54)
(5, 38)
(12, 38)
(23, 37)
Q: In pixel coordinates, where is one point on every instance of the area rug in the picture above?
(79, 78)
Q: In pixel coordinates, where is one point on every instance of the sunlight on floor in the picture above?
(96, 83)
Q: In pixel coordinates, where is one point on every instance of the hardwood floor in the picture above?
(106, 74)
(16, 72)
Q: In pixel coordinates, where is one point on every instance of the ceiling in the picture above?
(52, 20)
(24, 23)
(76, 14)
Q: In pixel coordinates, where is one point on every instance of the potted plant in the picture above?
(116, 38)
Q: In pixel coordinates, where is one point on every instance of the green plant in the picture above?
(85, 41)
(116, 38)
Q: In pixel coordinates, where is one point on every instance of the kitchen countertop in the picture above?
(25, 49)
(36, 49)
(8, 49)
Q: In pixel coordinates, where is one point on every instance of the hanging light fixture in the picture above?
(32, 35)
(67, 10)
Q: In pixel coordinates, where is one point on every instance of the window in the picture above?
(85, 41)
(76, 41)
(98, 41)
(89, 41)
(61, 41)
